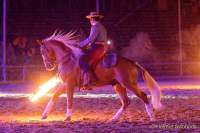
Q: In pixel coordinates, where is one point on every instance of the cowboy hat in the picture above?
(94, 15)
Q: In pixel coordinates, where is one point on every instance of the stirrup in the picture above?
(84, 88)
(91, 83)
(88, 85)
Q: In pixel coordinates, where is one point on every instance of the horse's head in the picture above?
(48, 55)
(62, 41)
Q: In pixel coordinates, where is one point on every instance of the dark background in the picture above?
(124, 19)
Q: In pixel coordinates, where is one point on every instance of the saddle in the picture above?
(108, 60)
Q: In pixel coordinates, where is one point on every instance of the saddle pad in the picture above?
(109, 60)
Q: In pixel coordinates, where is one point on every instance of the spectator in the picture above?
(24, 50)
(30, 50)
(19, 45)
(10, 55)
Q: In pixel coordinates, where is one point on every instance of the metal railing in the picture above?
(165, 69)
(23, 70)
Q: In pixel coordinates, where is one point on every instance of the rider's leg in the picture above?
(94, 55)
(85, 67)
(86, 61)
(83, 62)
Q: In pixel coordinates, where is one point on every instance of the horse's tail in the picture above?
(153, 87)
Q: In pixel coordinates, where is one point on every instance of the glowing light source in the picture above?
(46, 87)
(109, 42)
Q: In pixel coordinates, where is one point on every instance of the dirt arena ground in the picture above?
(19, 115)
(91, 113)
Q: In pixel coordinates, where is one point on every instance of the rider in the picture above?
(95, 47)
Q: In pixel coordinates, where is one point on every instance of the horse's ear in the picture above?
(39, 42)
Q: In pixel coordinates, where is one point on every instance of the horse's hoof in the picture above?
(43, 117)
(113, 120)
(85, 88)
(68, 119)
(152, 119)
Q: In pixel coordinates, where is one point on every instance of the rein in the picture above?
(46, 50)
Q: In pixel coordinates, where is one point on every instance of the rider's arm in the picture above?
(92, 37)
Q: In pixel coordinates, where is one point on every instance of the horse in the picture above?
(60, 50)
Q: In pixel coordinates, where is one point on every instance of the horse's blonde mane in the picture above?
(68, 39)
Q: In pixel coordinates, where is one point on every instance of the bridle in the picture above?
(66, 58)
(44, 50)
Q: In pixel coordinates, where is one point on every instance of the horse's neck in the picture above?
(60, 51)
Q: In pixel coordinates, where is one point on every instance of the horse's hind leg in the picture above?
(137, 90)
(142, 95)
(121, 91)
(128, 78)
(51, 102)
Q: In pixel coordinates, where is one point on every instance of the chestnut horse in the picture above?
(61, 50)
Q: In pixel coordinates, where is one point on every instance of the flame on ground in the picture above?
(46, 87)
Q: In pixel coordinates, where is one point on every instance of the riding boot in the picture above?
(89, 79)
(92, 78)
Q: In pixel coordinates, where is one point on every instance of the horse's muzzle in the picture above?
(50, 66)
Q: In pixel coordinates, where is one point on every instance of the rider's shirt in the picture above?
(98, 33)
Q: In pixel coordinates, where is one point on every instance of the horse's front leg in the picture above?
(48, 108)
(70, 98)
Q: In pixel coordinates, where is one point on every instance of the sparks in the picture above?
(46, 87)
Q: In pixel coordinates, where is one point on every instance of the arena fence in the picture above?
(24, 73)
(160, 70)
